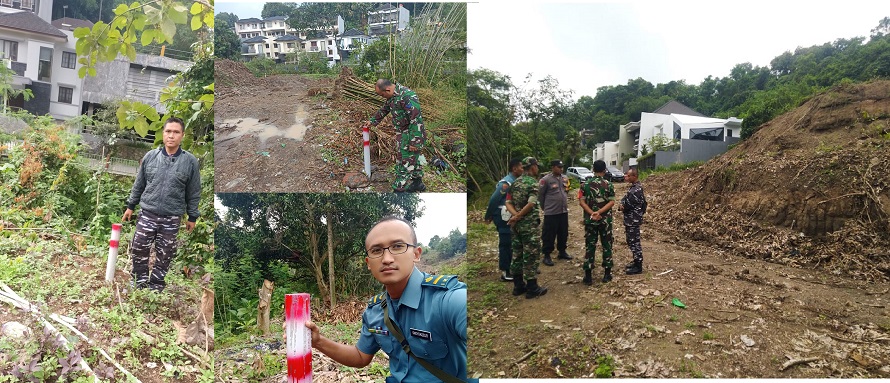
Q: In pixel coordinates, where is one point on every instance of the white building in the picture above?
(387, 19)
(611, 154)
(699, 137)
(43, 58)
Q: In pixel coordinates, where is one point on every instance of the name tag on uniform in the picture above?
(422, 334)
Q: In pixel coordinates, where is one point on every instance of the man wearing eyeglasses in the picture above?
(428, 312)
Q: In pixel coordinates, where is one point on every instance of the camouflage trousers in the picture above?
(408, 167)
(632, 235)
(593, 233)
(526, 248)
(159, 231)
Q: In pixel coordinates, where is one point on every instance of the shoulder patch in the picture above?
(377, 299)
(440, 281)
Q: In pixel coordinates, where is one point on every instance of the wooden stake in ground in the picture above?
(262, 316)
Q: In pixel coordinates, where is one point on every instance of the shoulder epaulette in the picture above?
(377, 299)
(440, 281)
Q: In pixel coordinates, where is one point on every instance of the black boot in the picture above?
(607, 276)
(564, 255)
(534, 290)
(417, 186)
(588, 277)
(547, 261)
(518, 285)
(636, 268)
(629, 265)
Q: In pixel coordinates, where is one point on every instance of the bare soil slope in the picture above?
(810, 188)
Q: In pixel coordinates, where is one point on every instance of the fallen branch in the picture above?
(526, 356)
(835, 337)
(90, 342)
(660, 274)
(794, 362)
(195, 357)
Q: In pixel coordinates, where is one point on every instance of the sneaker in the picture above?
(564, 256)
(505, 277)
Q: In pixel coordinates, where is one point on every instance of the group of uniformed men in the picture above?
(514, 208)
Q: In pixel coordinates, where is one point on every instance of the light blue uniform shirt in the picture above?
(432, 315)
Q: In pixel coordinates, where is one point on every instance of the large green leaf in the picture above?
(81, 32)
(196, 22)
(141, 127)
(168, 28)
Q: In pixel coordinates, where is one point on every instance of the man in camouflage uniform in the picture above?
(634, 206)
(168, 185)
(597, 196)
(410, 133)
(522, 201)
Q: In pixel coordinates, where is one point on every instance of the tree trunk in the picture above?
(331, 257)
(316, 260)
(262, 315)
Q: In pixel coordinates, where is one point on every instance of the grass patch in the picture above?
(707, 336)
(605, 366)
(669, 169)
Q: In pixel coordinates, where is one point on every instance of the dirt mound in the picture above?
(232, 73)
(810, 188)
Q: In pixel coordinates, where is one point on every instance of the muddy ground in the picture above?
(288, 133)
(743, 317)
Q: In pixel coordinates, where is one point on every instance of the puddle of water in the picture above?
(263, 131)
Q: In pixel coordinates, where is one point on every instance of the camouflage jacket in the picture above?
(405, 108)
(634, 205)
(596, 193)
(522, 189)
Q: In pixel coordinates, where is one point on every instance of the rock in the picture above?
(747, 341)
(151, 365)
(15, 330)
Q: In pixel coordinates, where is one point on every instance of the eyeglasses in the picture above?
(394, 249)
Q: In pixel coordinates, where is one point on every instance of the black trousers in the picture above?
(555, 226)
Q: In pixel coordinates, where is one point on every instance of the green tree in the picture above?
(143, 24)
(277, 9)
(226, 20)
(226, 44)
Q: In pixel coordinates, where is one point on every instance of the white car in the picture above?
(579, 172)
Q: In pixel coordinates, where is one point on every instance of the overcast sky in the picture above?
(586, 45)
(243, 9)
(442, 213)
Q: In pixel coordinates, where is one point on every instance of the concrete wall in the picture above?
(66, 77)
(610, 155)
(692, 150)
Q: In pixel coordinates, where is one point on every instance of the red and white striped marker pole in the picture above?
(366, 136)
(112, 252)
(299, 338)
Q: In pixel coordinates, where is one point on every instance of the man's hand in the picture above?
(487, 221)
(189, 226)
(127, 215)
(314, 329)
(413, 149)
(596, 216)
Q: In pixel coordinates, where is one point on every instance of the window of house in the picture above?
(728, 133)
(44, 68)
(275, 45)
(9, 49)
(290, 45)
(66, 94)
(69, 59)
(267, 46)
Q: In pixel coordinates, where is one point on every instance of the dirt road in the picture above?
(743, 317)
